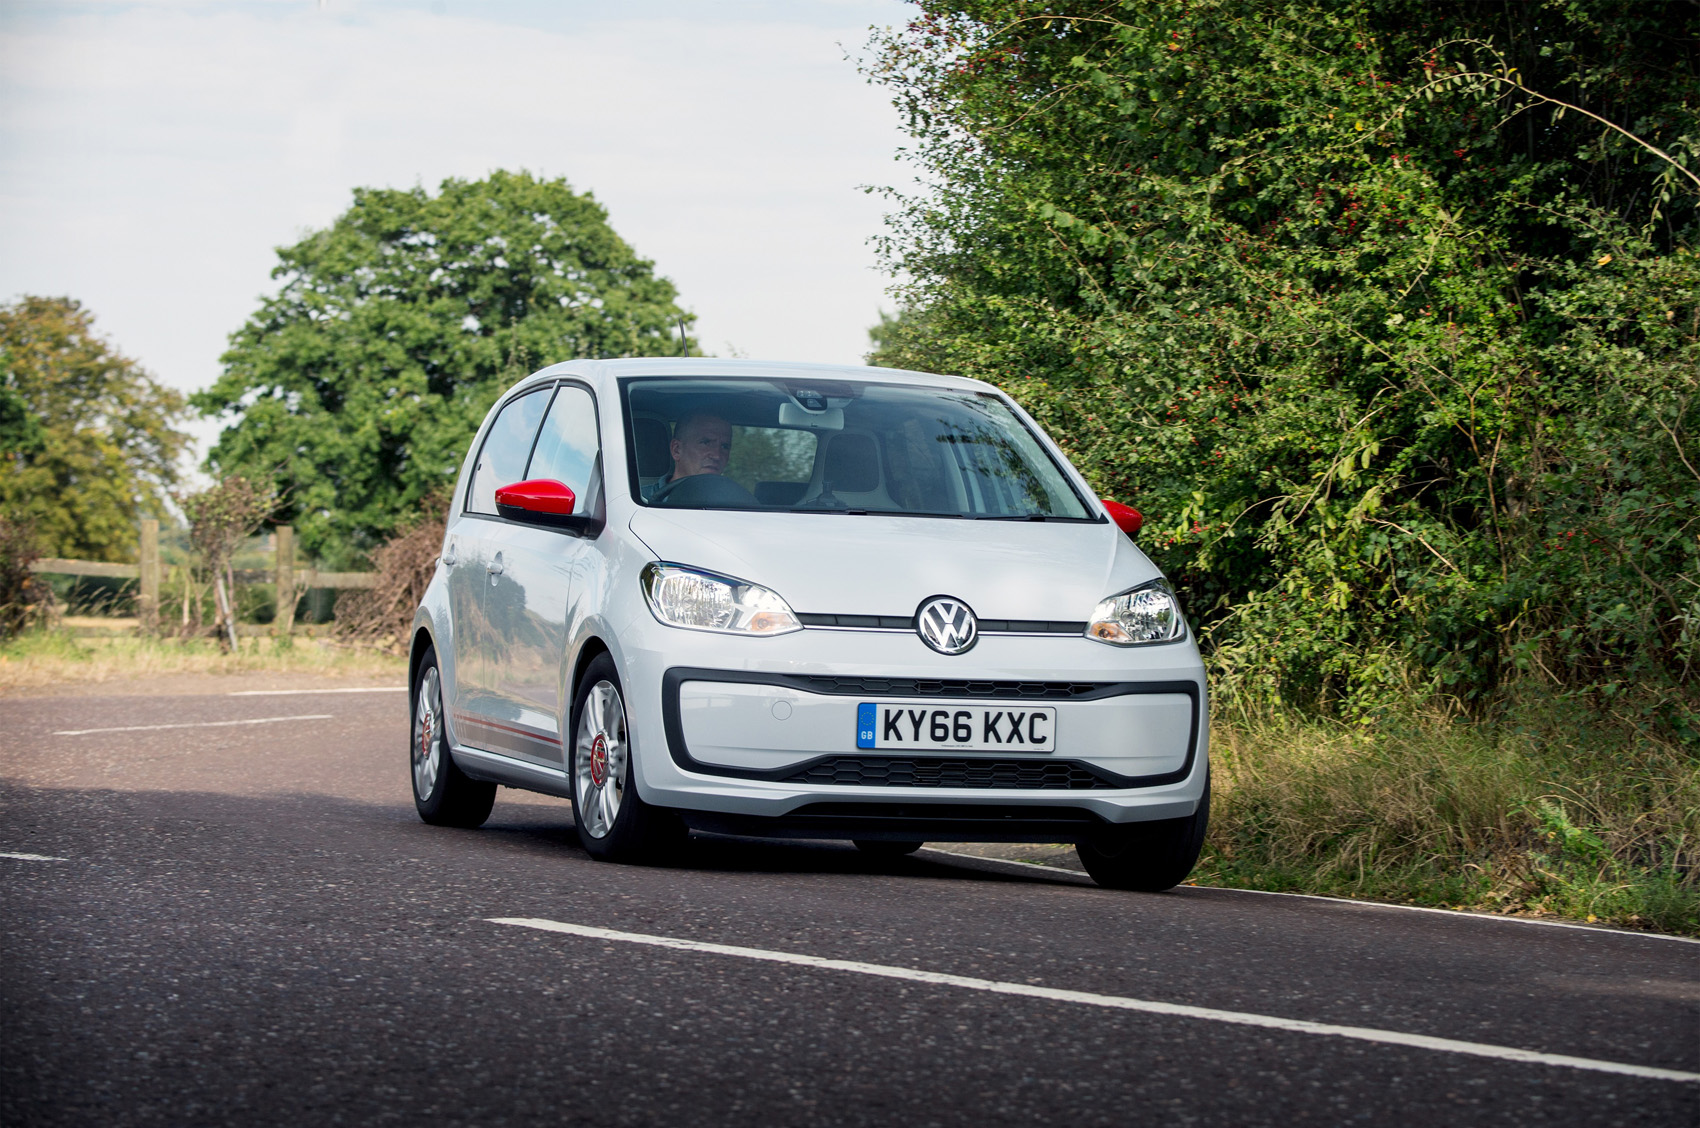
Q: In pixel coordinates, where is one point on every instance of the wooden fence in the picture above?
(290, 583)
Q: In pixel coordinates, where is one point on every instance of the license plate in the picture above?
(979, 728)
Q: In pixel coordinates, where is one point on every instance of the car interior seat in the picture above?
(852, 470)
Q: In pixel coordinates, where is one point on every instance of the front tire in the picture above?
(614, 824)
(442, 793)
(1148, 857)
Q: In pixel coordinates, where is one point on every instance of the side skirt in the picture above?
(494, 767)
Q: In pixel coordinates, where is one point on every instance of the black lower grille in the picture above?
(945, 687)
(1013, 775)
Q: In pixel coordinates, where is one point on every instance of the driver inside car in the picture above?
(702, 444)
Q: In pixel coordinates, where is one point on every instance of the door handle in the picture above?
(448, 558)
(495, 567)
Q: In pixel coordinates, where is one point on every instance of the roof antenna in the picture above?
(684, 342)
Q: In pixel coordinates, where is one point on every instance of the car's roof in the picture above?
(698, 367)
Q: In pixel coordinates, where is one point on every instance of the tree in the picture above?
(1384, 312)
(90, 438)
(220, 519)
(355, 389)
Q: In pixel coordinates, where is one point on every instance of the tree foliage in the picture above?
(1385, 312)
(90, 439)
(356, 388)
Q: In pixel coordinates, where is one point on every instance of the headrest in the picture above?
(654, 453)
(852, 463)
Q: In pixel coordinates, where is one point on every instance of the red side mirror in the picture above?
(1126, 517)
(534, 499)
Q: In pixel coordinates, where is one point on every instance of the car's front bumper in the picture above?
(1137, 735)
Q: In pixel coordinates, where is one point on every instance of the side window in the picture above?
(568, 446)
(501, 461)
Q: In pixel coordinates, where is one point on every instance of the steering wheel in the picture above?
(705, 489)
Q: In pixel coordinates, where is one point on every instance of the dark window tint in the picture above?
(501, 461)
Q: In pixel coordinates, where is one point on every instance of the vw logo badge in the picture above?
(947, 625)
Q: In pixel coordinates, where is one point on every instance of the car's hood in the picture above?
(869, 565)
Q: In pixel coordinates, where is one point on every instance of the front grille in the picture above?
(1031, 626)
(907, 623)
(1013, 775)
(944, 687)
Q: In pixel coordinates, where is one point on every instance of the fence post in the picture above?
(147, 602)
(285, 577)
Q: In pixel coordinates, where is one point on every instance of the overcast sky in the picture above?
(153, 153)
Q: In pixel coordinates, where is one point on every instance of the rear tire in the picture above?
(1148, 857)
(614, 824)
(880, 849)
(442, 793)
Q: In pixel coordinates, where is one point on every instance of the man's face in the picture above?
(702, 446)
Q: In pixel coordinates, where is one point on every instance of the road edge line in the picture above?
(1578, 926)
(1113, 1002)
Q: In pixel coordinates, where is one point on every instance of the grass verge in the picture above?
(1590, 821)
(41, 658)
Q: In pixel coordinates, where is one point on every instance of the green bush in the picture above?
(1384, 312)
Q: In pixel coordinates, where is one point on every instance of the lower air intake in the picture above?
(1012, 775)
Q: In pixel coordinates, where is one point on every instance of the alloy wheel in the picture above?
(599, 759)
(428, 734)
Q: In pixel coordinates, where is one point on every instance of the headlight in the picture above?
(1149, 613)
(703, 601)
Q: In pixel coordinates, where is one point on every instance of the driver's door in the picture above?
(478, 567)
(532, 607)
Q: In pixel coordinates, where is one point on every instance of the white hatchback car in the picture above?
(803, 601)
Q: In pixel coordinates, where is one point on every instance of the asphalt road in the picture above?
(250, 926)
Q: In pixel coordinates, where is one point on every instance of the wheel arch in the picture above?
(422, 641)
(588, 651)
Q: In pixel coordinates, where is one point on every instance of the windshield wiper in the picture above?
(1014, 517)
(849, 512)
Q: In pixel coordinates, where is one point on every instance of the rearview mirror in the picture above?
(1126, 517)
(796, 415)
(538, 501)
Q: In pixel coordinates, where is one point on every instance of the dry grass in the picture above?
(44, 658)
(1588, 819)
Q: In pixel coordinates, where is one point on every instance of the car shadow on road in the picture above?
(67, 822)
(548, 826)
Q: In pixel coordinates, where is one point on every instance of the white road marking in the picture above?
(299, 692)
(196, 724)
(1075, 877)
(1114, 1002)
(32, 857)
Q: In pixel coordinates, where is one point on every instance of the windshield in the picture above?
(838, 446)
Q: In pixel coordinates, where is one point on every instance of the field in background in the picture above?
(42, 658)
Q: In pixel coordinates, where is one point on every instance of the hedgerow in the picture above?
(1385, 313)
